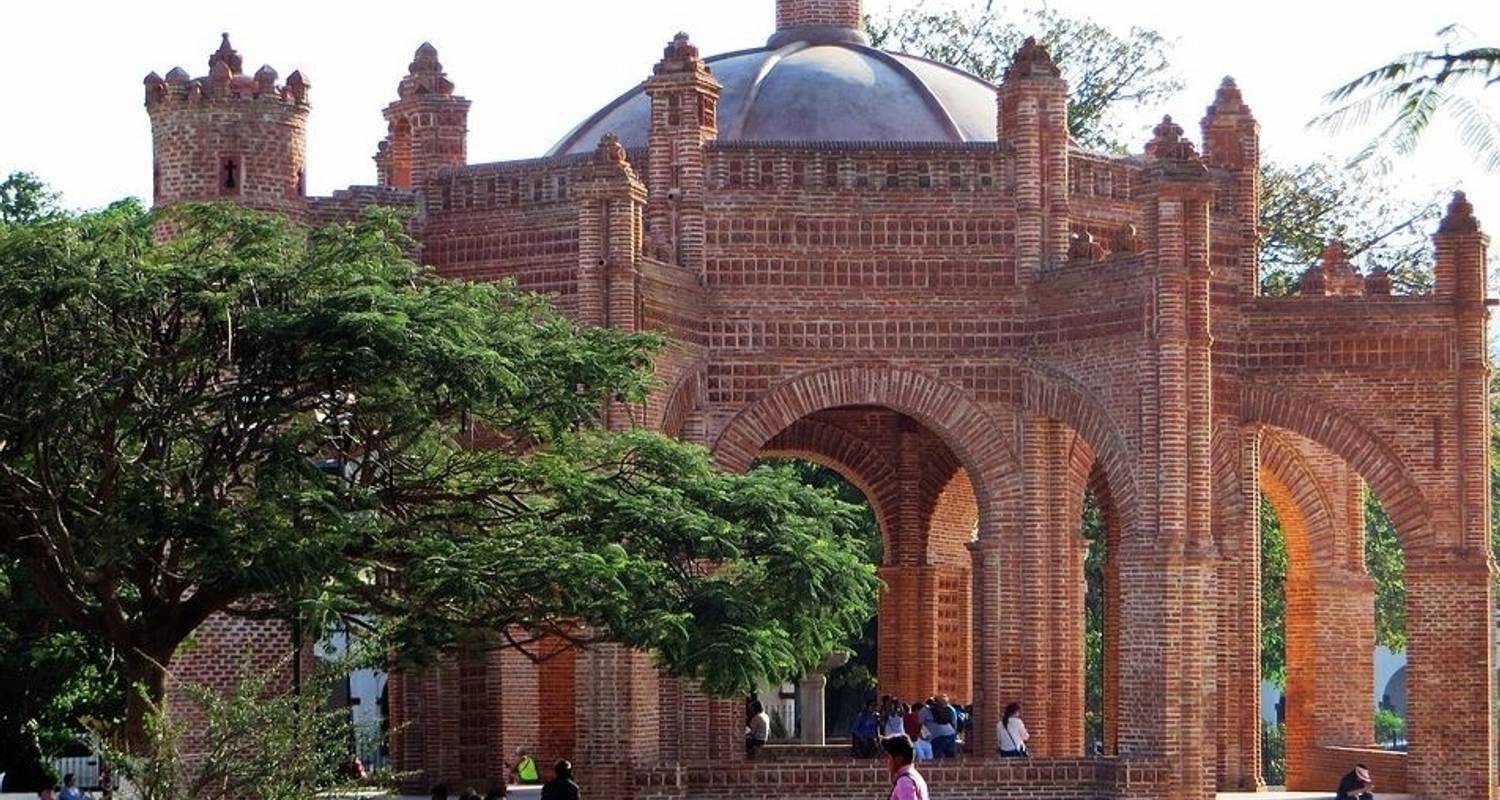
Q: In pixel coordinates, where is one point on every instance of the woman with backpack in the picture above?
(942, 728)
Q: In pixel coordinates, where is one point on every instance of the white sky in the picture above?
(74, 110)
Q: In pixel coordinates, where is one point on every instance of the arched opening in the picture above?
(1332, 601)
(924, 515)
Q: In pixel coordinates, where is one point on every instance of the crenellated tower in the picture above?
(228, 135)
(428, 125)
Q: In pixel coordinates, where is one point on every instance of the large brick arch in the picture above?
(954, 417)
(1052, 394)
(1372, 458)
(852, 458)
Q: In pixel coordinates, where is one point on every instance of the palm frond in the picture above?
(1413, 89)
(1478, 130)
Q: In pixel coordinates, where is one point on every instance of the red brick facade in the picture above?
(974, 333)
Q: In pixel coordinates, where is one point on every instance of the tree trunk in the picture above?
(146, 692)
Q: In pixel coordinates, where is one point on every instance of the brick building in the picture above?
(912, 276)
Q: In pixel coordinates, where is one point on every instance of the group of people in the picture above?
(934, 726)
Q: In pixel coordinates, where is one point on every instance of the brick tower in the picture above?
(428, 125)
(228, 135)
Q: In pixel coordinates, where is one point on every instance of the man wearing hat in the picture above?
(1356, 785)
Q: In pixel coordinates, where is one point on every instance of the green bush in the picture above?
(1390, 728)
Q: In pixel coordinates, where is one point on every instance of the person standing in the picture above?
(757, 730)
(1011, 733)
(906, 782)
(866, 734)
(1356, 785)
(561, 787)
(912, 722)
(942, 728)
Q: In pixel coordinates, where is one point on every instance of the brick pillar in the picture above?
(556, 684)
(684, 119)
(988, 639)
(1171, 715)
(616, 705)
(1450, 585)
(1111, 644)
(1237, 531)
(1450, 677)
(1050, 602)
(1033, 117)
(223, 650)
(610, 200)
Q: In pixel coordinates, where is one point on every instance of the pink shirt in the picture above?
(909, 785)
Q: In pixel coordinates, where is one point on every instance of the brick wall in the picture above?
(843, 779)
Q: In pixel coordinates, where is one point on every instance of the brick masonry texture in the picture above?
(975, 335)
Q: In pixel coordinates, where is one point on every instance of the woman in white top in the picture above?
(1011, 733)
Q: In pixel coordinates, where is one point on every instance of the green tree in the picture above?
(1304, 206)
(1097, 535)
(1107, 73)
(25, 198)
(1273, 569)
(54, 675)
(1414, 89)
(309, 421)
(1386, 563)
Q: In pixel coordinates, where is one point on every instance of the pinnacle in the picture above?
(226, 55)
(1460, 217)
(1033, 60)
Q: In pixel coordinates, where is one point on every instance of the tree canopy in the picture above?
(1107, 73)
(308, 422)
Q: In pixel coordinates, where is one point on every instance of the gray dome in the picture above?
(829, 90)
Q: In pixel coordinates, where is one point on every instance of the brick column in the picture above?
(1237, 582)
(1450, 603)
(1167, 683)
(988, 639)
(616, 707)
(1450, 677)
(1049, 604)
